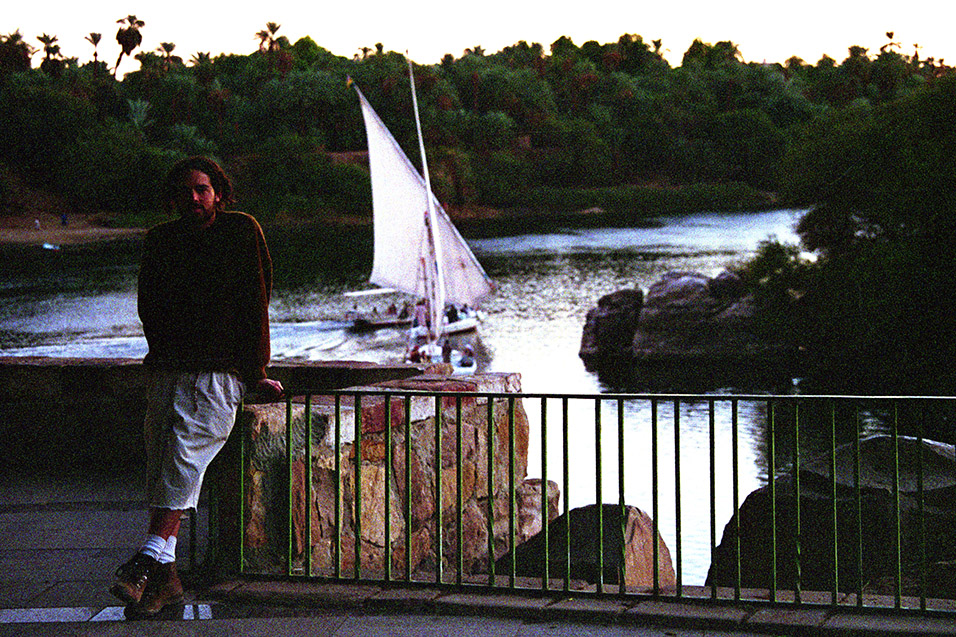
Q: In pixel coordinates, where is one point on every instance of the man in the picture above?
(204, 288)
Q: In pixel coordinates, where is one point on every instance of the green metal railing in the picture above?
(796, 445)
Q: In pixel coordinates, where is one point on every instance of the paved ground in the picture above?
(61, 539)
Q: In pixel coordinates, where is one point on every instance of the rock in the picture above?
(681, 320)
(609, 328)
(637, 539)
(528, 496)
(688, 329)
(726, 285)
(878, 506)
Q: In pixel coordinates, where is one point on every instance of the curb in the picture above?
(606, 610)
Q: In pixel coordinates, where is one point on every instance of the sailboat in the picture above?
(417, 249)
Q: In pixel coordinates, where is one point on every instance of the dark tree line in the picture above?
(596, 124)
(875, 311)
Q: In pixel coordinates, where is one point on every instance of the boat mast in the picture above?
(436, 300)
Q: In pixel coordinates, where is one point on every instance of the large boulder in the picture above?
(684, 320)
(635, 535)
(688, 329)
(609, 327)
(874, 532)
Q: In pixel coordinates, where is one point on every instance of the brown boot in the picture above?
(164, 589)
(132, 578)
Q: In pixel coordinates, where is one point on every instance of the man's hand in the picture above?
(268, 390)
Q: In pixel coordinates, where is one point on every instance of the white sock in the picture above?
(169, 551)
(153, 546)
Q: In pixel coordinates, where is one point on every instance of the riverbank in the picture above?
(48, 229)
(38, 218)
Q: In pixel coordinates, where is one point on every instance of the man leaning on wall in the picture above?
(204, 287)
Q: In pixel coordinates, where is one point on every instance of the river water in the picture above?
(80, 301)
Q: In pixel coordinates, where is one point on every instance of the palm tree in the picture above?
(272, 28)
(50, 48)
(166, 48)
(267, 38)
(263, 38)
(94, 39)
(50, 65)
(128, 37)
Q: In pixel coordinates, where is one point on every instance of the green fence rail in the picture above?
(850, 499)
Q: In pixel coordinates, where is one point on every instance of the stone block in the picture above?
(387, 489)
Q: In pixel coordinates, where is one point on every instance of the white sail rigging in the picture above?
(417, 248)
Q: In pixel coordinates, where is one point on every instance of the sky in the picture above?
(763, 30)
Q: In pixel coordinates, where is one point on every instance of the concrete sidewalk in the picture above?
(61, 539)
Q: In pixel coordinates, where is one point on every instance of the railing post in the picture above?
(308, 484)
(490, 423)
(921, 509)
(772, 478)
(545, 521)
(622, 555)
(734, 407)
(797, 538)
(358, 486)
(388, 487)
(859, 510)
(598, 479)
(289, 485)
(512, 568)
(242, 492)
(677, 500)
(460, 561)
(833, 500)
(898, 531)
(408, 487)
(655, 503)
(711, 438)
(566, 476)
(439, 535)
(337, 468)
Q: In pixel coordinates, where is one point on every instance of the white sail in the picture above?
(402, 245)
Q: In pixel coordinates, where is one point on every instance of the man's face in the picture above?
(196, 199)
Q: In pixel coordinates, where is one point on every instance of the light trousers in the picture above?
(189, 416)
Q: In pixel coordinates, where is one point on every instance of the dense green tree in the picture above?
(883, 217)
(39, 124)
(15, 53)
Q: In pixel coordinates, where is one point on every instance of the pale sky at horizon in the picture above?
(763, 30)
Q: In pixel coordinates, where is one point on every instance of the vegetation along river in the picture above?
(80, 301)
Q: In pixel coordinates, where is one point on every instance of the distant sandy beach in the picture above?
(23, 230)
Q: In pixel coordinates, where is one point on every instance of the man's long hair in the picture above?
(217, 177)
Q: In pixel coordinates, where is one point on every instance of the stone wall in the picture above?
(388, 482)
(63, 414)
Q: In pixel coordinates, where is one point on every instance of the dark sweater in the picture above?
(204, 296)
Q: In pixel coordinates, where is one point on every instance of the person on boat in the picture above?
(204, 287)
(452, 313)
(421, 314)
(467, 357)
(446, 351)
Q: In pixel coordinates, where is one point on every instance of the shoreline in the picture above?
(23, 230)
